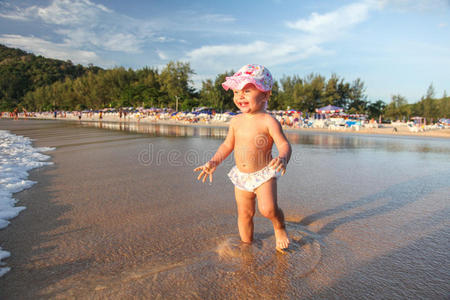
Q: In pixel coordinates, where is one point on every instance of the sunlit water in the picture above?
(368, 217)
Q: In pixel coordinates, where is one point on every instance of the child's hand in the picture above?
(206, 169)
(278, 164)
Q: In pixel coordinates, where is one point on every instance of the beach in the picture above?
(119, 214)
(222, 120)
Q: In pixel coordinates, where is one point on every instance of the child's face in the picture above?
(250, 99)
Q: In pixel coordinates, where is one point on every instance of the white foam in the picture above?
(17, 157)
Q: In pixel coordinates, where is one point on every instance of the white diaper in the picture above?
(250, 181)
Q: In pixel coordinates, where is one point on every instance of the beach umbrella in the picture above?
(290, 111)
(329, 109)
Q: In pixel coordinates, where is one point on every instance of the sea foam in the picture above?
(17, 157)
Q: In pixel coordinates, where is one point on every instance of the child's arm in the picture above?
(221, 154)
(284, 148)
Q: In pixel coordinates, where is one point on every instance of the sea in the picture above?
(17, 157)
(368, 215)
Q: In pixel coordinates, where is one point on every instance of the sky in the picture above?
(396, 47)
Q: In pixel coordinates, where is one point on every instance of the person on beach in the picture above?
(16, 113)
(251, 135)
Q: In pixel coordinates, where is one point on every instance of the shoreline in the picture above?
(387, 129)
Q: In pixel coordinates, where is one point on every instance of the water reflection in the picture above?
(353, 141)
(328, 140)
(161, 129)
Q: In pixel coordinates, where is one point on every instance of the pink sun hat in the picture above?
(256, 74)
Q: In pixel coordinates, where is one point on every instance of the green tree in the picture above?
(274, 100)
(331, 94)
(214, 95)
(444, 107)
(175, 80)
(357, 99)
(207, 93)
(223, 99)
(375, 110)
(344, 92)
(398, 109)
(21, 72)
(430, 92)
(311, 93)
(291, 93)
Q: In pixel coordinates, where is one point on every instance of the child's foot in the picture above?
(281, 238)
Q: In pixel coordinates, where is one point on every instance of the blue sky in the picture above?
(394, 46)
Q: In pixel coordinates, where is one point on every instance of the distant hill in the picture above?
(21, 72)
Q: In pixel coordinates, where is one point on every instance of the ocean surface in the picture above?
(368, 216)
(17, 157)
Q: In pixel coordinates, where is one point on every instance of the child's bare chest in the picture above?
(252, 136)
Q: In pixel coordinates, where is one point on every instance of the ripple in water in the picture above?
(301, 258)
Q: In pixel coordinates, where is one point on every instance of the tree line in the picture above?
(428, 106)
(21, 72)
(36, 83)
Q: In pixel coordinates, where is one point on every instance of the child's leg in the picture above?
(268, 207)
(246, 210)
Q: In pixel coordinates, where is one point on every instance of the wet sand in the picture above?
(99, 223)
(107, 221)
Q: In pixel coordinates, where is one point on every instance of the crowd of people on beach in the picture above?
(204, 115)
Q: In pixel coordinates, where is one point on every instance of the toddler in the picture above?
(251, 135)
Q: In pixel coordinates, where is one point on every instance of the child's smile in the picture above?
(250, 99)
(243, 103)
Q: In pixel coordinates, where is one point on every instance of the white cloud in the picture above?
(125, 42)
(111, 41)
(211, 60)
(221, 50)
(62, 12)
(86, 25)
(67, 12)
(8, 11)
(193, 17)
(257, 50)
(53, 50)
(162, 55)
(313, 33)
(335, 21)
(216, 18)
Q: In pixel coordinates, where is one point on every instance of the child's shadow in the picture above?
(393, 198)
(398, 196)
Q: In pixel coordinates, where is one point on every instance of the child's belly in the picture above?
(250, 160)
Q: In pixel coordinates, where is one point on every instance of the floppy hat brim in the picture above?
(237, 83)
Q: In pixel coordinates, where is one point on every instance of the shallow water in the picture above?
(368, 216)
(367, 211)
